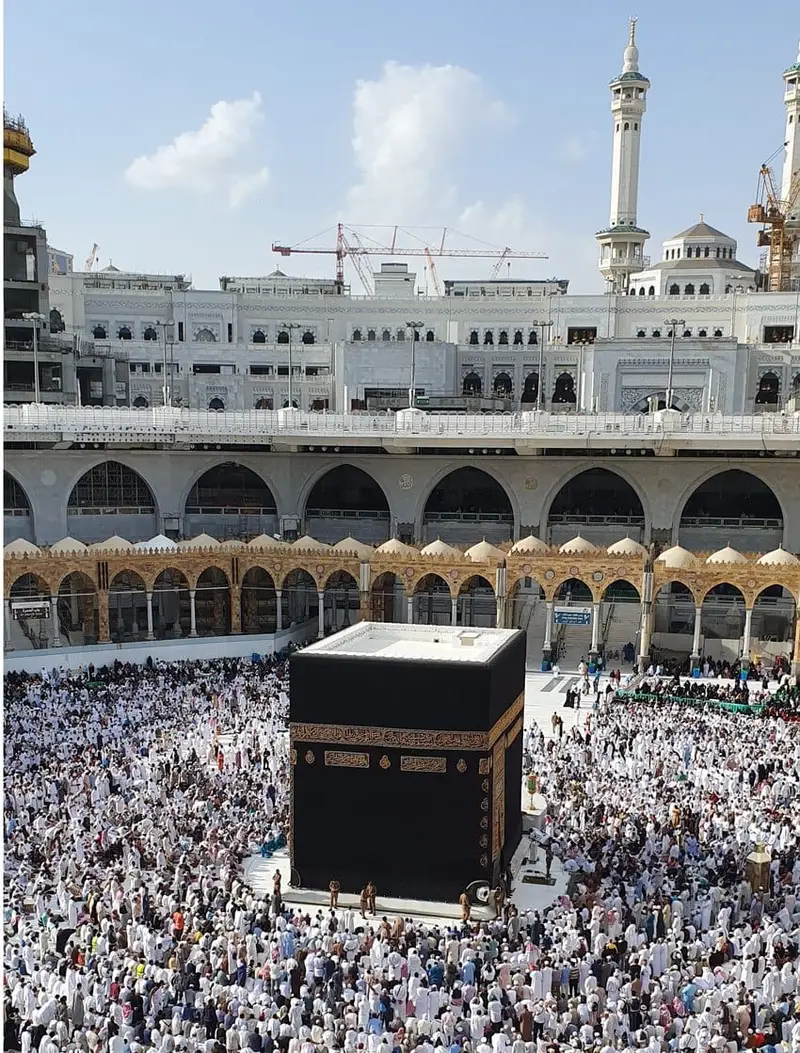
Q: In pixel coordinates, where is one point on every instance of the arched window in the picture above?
(728, 288)
(99, 332)
(259, 337)
(641, 333)
(689, 290)
(796, 384)
(371, 335)
(503, 338)
(356, 334)
(205, 336)
(768, 390)
(631, 292)
(124, 333)
(263, 403)
(651, 291)
(705, 289)
(656, 333)
(641, 291)
(626, 127)
(503, 386)
(717, 252)
(488, 337)
(401, 334)
(564, 390)
(386, 335)
(517, 336)
(530, 389)
(532, 337)
(56, 321)
(150, 333)
(430, 336)
(216, 404)
(283, 336)
(717, 333)
(687, 332)
(707, 252)
(140, 402)
(473, 337)
(702, 333)
(308, 337)
(472, 385)
(674, 290)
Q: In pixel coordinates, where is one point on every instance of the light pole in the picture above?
(542, 326)
(735, 290)
(289, 326)
(166, 383)
(674, 323)
(582, 345)
(35, 318)
(412, 391)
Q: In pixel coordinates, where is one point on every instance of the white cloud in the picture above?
(410, 130)
(573, 148)
(215, 156)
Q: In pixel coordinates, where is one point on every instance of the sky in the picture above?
(185, 136)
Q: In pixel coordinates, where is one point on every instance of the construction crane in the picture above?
(351, 242)
(90, 259)
(437, 285)
(779, 231)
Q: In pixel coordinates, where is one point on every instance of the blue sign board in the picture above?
(572, 615)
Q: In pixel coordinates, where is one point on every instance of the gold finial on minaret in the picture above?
(632, 41)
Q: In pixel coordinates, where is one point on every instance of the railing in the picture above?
(169, 424)
(469, 517)
(734, 522)
(346, 513)
(591, 520)
(229, 510)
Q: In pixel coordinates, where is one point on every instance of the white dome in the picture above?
(113, 544)
(483, 552)
(626, 547)
(778, 558)
(578, 546)
(310, 544)
(21, 547)
(439, 548)
(677, 558)
(358, 548)
(201, 541)
(726, 555)
(68, 544)
(393, 547)
(264, 541)
(531, 546)
(159, 543)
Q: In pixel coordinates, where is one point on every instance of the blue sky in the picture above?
(492, 119)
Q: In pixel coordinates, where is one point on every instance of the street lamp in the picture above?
(289, 326)
(542, 326)
(412, 391)
(35, 318)
(674, 323)
(166, 383)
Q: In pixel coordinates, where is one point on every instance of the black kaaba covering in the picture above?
(406, 772)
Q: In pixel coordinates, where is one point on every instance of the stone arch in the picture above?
(111, 498)
(674, 605)
(300, 596)
(774, 616)
(476, 603)
(341, 601)
(204, 335)
(388, 598)
(171, 604)
(259, 599)
(213, 602)
(78, 608)
(229, 499)
(346, 501)
(432, 601)
(472, 385)
(484, 507)
(722, 616)
(27, 632)
(530, 389)
(127, 606)
(569, 510)
(17, 510)
(29, 584)
(526, 609)
(620, 621)
(711, 510)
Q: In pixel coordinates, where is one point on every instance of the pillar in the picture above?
(321, 615)
(150, 633)
(410, 610)
(547, 649)
(278, 610)
(454, 610)
(748, 622)
(236, 609)
(192, 613)
(595, 647)
(102, 617)
(646, 628)
(796, 655)
(500, 591)
(7, 624)
(500, 619)
(695, 659)
(54, 617)
(363, 606)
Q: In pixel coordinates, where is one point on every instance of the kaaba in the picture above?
(406, 748)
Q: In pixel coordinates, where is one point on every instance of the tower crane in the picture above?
(437, 285)
(90, 259)
(351, 242)
(779, 232)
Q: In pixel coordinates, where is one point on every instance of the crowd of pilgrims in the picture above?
(129, 925)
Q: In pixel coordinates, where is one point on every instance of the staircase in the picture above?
(622, 626)
(577, 641)
(536, 615)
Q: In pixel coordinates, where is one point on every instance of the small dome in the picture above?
(393, 547)
(358, 548)
(201, 541)
(530, 546)
(726, 555)
(579, 546)
(626, 547)
(113, 544)
(265, 541)
(310, 544)
(68, 545)
(159, 543)
(778, 558)
(439, 548)
(678, 558)
(21, 547)
(483, 552)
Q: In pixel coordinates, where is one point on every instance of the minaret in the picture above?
(622, 241)
(791, 157)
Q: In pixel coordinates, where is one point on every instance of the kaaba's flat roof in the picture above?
(422, 643)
